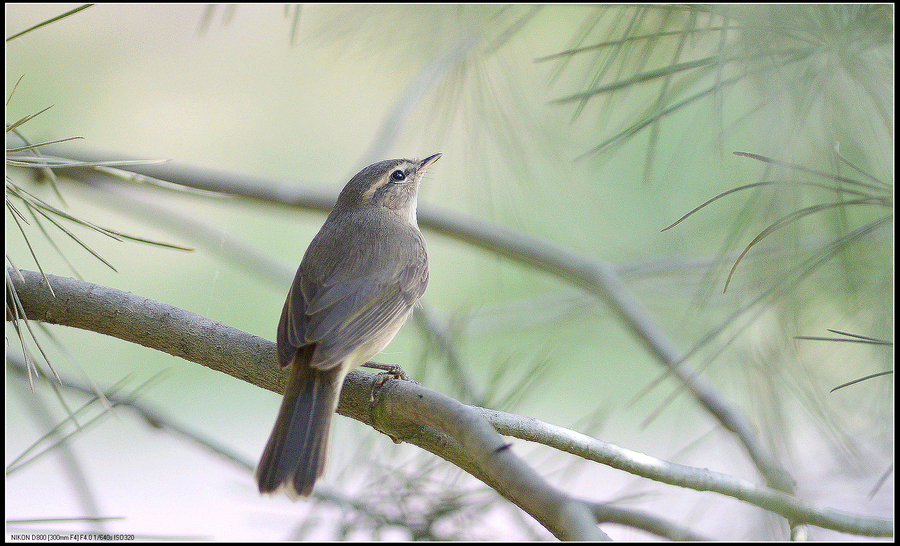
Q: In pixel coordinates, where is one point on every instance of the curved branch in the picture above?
(463, 435)
(449, 429)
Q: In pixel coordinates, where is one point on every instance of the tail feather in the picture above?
(296, 452)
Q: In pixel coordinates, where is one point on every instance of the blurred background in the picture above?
(589, 127)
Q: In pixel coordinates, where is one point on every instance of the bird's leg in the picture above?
(388, 370)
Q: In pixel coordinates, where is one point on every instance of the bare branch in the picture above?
(404, 410)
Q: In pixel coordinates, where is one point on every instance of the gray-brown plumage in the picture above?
(354, 289)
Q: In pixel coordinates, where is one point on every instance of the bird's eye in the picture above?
(398, 176)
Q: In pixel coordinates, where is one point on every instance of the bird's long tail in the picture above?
(296, 452)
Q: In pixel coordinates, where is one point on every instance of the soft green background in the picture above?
(139, 80)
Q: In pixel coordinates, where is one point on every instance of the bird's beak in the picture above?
(427, 162)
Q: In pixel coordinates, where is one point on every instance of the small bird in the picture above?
(354, 289)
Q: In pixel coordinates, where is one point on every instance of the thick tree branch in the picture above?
(146, 322)
(478, 448)
(403, 410)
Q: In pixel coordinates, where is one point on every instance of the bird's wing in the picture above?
(349, 305)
